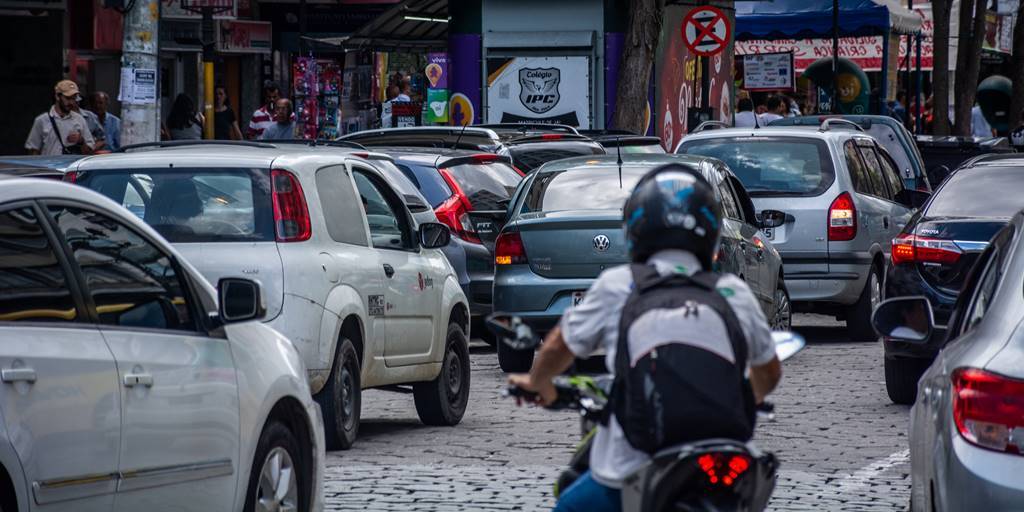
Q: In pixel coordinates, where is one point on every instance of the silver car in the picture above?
(967, 424)
(844, 200)
(123, 386)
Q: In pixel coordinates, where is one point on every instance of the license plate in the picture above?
(577, 298)
(769, 233)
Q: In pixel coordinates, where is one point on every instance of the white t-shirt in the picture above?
(747, 119)
(594, 325)
(768, 117)
(979, 125)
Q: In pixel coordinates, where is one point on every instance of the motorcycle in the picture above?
(709, 475)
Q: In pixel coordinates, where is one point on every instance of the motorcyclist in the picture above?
(672, 221)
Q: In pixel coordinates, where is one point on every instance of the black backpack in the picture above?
(678, 393)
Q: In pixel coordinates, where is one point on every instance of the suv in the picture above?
(367, 298)
(844, 200)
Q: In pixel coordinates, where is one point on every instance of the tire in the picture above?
(901, 376)
(782, 315)
(480, 329)
(341, 398)
(278, 465)
(858, 316)
(443, 401)
(514, 361)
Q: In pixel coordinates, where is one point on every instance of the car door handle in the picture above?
(389, 270)
(18, 375)
(138, 379)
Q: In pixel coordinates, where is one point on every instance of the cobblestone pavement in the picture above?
(841, 442)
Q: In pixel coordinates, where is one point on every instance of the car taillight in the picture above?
(71, 176)
(723, 468)
(988, 409)
(291, 216)
(909, 248)
(842, 219)
(551, 136)
(484, 158)
(454, 211)
(509, 249)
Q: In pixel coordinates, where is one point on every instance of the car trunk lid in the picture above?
(970, 235)
(573, 244)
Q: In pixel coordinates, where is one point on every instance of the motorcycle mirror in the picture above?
(787, 344)
(511, 331)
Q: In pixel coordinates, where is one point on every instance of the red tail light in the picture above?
(71, 176)
(551, 136)
(484, 158)
(454, 212)
(291, 216)
(520, 171)
(842, 219)
(509, 250)
(723, 468)
(988, 409)
(909, 248)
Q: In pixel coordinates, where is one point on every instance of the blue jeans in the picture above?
(587, 495)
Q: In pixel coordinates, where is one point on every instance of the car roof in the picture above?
(864, 120)
(468, 137)
(776, 131)
(628, 160)
(996, 159)
(425, 155)
(217, 154)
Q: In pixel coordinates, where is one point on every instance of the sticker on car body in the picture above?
(375, 305)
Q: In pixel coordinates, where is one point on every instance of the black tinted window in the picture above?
(389, 228)
(486, 185)
(132, 282)
(874, 172)
(771, 166)
(528, 157)
(428, 181)
(581, 189)
(979, 191)
(33, 286)
(858, 169)
(341, 206)
(889, 172)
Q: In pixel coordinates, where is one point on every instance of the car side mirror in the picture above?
(240, 300)
(771, 219)
(906, 319)
(912, 198)
(434, 235)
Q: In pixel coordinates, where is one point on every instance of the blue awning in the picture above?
(804, 19)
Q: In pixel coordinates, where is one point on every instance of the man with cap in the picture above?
(61, 130)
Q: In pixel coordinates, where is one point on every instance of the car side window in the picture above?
(389, 227)
(858, 170)
(889, 172)
(730, 205)
(33, 284)
(874, 171)
(132, 282)
(988, 282)
(340, 206)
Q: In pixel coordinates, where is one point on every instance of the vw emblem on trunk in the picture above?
(601, 243)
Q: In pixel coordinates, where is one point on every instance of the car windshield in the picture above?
(527, 157)
(581, 189)
(193, 204)
(487, 186)
(771, 166)
(979, 192)
(428, 181)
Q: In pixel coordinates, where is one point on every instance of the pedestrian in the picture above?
(94, 125)
(406, 94)
(1017, 135)
(896, 108)
(61, 130)
(225, 122)
(264, 116)
(979, 125)
(283, 127)
(776, 110)
(184, 123)
(745, 117)
(111, 123)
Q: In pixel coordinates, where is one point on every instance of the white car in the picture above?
(123, 385)
(367, 297)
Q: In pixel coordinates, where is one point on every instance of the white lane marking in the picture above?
(860, 479)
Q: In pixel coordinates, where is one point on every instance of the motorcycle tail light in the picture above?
(723, 468)
(988, 409)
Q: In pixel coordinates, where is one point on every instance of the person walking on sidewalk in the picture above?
(61, 130)
(111, 123)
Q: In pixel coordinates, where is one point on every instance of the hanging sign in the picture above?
(706, 31)
(768, 71)
(539, 90)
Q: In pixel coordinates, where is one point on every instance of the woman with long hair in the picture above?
(183, 122)
(225, 122)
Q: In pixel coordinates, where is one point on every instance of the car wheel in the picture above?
(278, 480)
(901, 376)
(443, 400)
(514, 361)
(782, 318)
(858, 316)
(341, 397)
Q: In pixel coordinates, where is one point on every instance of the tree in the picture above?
(1017, 75)
(638, 51)
(968, 61)
(941, 10)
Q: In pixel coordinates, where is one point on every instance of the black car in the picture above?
(626, 141)
(942, 154)
(933, 254)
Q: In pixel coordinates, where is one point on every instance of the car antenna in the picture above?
(618, 152)
(459, 138)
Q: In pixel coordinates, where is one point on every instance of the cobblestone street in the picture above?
(841, 442)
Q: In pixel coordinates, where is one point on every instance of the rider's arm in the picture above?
(553, 359)
(764, 378)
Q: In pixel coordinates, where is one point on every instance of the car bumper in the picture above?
(904, 281)
(538, 300)
(980, 479)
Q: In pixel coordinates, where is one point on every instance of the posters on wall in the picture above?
(768, 72)
(138, 86)
(539, 89)
(436, 72)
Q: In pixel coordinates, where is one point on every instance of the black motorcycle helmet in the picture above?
(672, 207)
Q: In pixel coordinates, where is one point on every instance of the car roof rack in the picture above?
(708, 125)
(195, 142)
(826, 125)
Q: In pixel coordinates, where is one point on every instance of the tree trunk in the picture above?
(940, 73)
(1017, 75)
(968, 61)
(637, 60)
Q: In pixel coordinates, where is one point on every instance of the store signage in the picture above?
(540, 89)
(768, 71)
(172, 9)
(706, 31)
(866, 52)
(244, 36)
(437, 70)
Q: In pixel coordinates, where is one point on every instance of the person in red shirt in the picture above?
(264, 116)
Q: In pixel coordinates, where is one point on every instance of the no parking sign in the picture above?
(706, 31)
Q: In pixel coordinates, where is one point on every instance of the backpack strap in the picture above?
(60, 138)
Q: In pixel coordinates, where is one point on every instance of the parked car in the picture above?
(529, 152)
(890, 134)
(368, 298)
(943, 154)
(628, 142)
(564, 227)
(933, 254)
(468, 137)
(965, 426)
(127, 378)
(37, 166)
(845, 202)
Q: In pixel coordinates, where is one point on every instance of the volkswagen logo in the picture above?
(601, 243)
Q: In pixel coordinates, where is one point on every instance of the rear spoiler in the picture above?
(478, 159)
(549, 137)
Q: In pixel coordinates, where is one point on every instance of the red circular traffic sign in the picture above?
(706, 31)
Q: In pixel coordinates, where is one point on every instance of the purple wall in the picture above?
(465, 67)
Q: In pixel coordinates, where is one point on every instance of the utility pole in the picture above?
(209, 56)
(140, 122)
(835, 57)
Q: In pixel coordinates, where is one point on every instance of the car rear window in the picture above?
(979, 192)
(193, 204)
(429, 182)
(528, 157)
(771, 166)
(639, 149)
(488, 186)
(581, 189)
